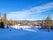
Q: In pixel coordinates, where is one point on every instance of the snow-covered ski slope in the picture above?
(25, 34)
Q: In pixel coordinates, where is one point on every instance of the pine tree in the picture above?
(48, 22)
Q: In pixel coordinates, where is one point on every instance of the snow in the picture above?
(21, 34)
(30, 30)
(19, 27)
(27, 28)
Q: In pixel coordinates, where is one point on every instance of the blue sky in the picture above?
(26, 9)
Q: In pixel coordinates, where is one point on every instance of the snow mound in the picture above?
(30, 30)
(19, 27)
(27, 28)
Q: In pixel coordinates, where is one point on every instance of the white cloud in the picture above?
(26, 14)
(42, 8)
